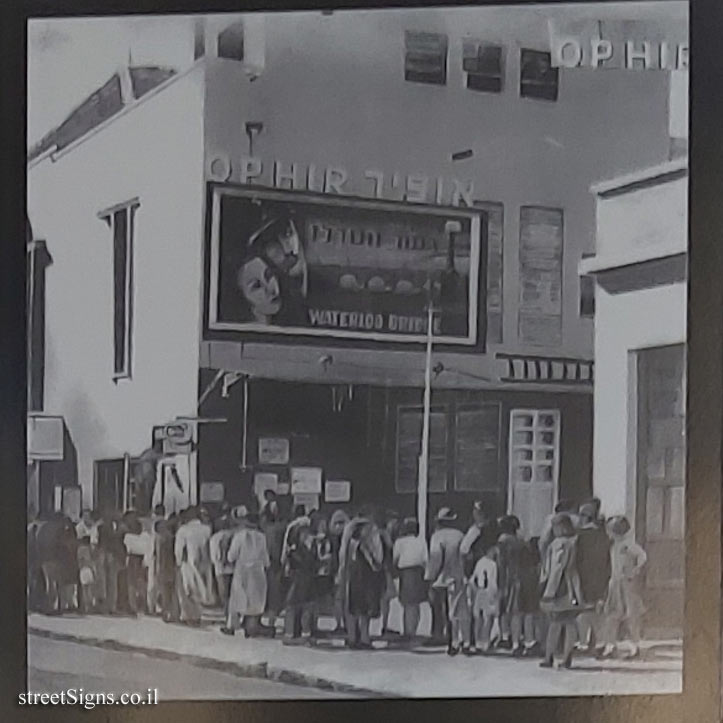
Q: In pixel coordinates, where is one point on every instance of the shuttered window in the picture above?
(425, 57)
(482, 62)
(409, 447)
(121, 220)
(477, 448)
(541, 248)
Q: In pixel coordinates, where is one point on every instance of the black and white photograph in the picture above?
(356, 348)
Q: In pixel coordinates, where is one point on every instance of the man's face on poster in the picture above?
(284, 251)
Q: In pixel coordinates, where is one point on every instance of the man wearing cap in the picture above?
(445, 572)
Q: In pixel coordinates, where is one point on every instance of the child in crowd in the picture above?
(529, 603)
(86, 575)
(561, 598)
(410, 562)
(486, 600)
(324, 582)
(510, 548)
(623, 605)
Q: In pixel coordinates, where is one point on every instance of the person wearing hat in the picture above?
(249, 556)
(624, 604)
(451, 619)
(593, 565)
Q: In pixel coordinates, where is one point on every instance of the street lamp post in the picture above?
(423, 481)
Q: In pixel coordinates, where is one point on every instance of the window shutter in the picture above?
(538, 79)
(409, 441)
(483, 64)
(425, 59)
(477, 447)
(541, 248)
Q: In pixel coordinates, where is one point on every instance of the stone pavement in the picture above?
(384, 672)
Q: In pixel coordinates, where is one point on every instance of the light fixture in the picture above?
(253, 128)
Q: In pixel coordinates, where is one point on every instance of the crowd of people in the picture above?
(572, 590)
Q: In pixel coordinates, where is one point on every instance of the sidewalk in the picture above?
(427, 673)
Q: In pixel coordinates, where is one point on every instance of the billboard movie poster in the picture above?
(283, 263)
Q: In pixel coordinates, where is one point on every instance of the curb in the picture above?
(262, 671)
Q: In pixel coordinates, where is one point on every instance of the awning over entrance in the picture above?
(343, 365)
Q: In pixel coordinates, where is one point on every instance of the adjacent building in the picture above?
(435, 152)
(640, 273)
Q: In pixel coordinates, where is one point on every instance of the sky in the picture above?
(69, 58)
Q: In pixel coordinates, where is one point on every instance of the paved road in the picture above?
(54, 666)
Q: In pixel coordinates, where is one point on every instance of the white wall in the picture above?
(625, 323)
(643, 224)
(154, 152)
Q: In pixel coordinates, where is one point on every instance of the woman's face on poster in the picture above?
(260, 287)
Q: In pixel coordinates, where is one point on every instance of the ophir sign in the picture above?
(286, 263)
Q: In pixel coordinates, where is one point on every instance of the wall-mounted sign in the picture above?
(337, 491)
(212, 492)
(265, 481)
(309, 501)
(45, 437)
(335, 180)
(287, 264)
(273, 450)
(306, 480)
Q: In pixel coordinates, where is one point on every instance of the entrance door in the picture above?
(661, 483)
(109, 474)
(534, 466)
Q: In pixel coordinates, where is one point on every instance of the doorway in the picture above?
(534, 466)
(109, 476)
(660, 515)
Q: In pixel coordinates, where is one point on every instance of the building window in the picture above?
(541, 247)
(199, 39)
(409, 446)
(538, 79)
(495, 268)
(477, 448)
(231, 42)
(425, 57)
(587, 297)
(482, 62)
(121, 220)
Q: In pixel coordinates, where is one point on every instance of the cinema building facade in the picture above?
(405, 158)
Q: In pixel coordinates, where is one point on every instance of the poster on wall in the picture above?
(309, 501)
(291, 264)
(337, 491)
(273, 450)
(212, 492)
(265, 481)
(306, 480)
